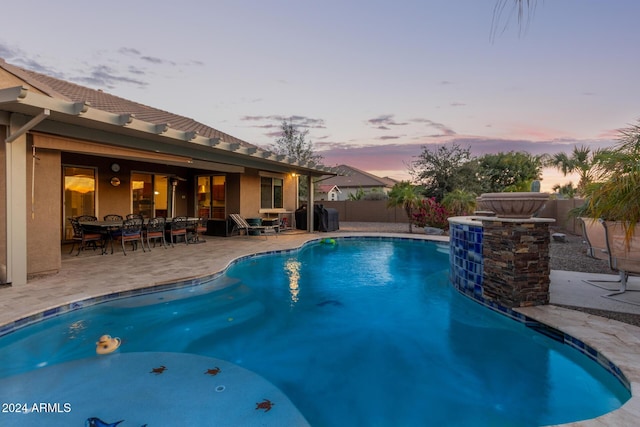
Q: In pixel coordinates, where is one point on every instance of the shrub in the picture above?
(430, 213)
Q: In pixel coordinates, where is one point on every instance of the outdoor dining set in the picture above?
(91, 233)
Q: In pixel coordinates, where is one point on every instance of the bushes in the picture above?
(430, 213)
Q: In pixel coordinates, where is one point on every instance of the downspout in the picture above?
(16, 268)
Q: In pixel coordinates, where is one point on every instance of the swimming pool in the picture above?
(363, 332)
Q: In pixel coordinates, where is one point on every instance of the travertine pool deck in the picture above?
(91, 274)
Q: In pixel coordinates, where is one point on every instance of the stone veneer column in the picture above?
(516, 261)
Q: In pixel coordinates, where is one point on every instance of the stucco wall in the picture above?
(3, 209)
(44, 215)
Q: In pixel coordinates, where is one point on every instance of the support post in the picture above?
(16, 197)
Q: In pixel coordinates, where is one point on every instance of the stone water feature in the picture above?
(503, 260)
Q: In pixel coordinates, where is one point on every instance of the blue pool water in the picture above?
(361, 332)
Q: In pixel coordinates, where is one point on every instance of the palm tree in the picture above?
(520, 9)
(459, 202)
(567, 190)
(583, 161)
(615, 195)
(407, 196)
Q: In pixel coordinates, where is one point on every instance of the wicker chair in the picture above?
(84, 237)
(154, 230)
(177, 228)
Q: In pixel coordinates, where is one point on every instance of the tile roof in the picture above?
(353, 177)
(61, 89)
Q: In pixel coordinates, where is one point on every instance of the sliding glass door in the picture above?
(150, 194)
(211, 197)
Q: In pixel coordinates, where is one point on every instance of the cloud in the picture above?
(105, 76)
(397, 156)
(445, 130)
(458, 104)
(129, 51)
(381, 122)
(272, 121)
(18, 57)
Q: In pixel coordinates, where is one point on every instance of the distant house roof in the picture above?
(352, 177)
(61, 89)
(327, 188)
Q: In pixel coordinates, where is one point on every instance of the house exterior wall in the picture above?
(250, 194)
(9, 80)
(3, 210)
(44, 213)
(348, 191)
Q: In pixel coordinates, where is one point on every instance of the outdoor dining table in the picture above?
(105, 227)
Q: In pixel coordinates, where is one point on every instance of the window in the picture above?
(271, 194)
(79, 194)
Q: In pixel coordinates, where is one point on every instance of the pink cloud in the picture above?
(393, 159)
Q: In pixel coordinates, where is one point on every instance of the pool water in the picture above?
(355, 332)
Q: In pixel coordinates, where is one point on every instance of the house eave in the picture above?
(80, 120)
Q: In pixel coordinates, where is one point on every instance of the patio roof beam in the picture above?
(28, 126)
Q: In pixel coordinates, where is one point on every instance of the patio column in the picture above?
(310, 203)
(16, 199)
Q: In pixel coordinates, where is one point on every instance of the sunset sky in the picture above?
(373, 81)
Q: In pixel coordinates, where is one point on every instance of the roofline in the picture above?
(69, 118)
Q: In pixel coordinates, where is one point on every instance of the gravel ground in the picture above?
(570, 255)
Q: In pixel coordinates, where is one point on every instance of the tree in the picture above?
(520, 8)
(614, 193)
(293, 143)
(459, 202)
(512, 171)
(583, 161)
(405, 195)
(443, 169)
(567, 190)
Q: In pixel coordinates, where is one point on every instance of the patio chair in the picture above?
(242, 224)
(196, 228)
(113, 217)
(594, 235)
(131, 231)
(177, 228)
(154, 230)
(624, 253)
(84, 237)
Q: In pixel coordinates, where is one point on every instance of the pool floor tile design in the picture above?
(152, 389)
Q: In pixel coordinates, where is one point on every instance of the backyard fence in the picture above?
(377, 211)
